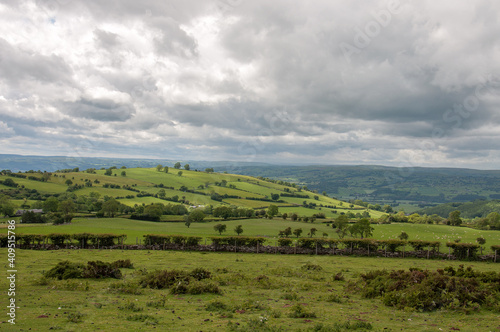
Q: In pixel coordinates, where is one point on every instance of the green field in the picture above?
(258, 293)
(135, 229)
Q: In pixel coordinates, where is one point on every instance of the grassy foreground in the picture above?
(258, 290)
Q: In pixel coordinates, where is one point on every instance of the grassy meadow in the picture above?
(259, 293)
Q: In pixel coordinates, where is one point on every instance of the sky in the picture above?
(399, 83)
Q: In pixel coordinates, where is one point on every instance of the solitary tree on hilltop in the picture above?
(177, 165)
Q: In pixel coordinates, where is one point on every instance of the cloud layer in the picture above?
(387, 82)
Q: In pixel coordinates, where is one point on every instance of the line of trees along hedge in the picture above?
(242, 241)
(460, 250)
(160, 239)
(61, 239)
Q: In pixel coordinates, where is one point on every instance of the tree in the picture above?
(162, 193)
(186, 167)
(188, 222)
(220, 228)
(177, 165)
(275, 197)
(155, 211)
(223, 212)
(209, 170)
(388, 209)
(287, 232)
(110, 207)
(51, 204)
(179, 173)
(67, 207)
(403, 236)
(312, 232)
(238, 229)
(68, 182)
(294, 217)
(159, 167)
(297, 232)
(284, 216)
(165, 169)
(454, 218)
(481, 240)
(341, 225)
(124, 173)
(362, 227)
(196, 215)
(272, 210)
(6, 207)
(9, 183)
(108, 172)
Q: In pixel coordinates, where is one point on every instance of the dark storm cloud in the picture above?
(99, 110)
(17, 65)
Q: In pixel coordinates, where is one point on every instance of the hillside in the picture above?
(143, 186)
(380, 184)
(467, 209)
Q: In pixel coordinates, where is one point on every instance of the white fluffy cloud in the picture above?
(386, 82)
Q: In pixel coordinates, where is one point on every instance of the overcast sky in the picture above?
(402, 83)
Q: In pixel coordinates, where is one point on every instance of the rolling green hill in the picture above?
(468, 209)
(192, 188)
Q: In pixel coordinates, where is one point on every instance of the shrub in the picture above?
(392, 244)
(125, 287)
(106, 240)
(163, 279)
(196, 287)
(464, 250)
(284, 242)
(216, 306)
(298, 311)
(65, 270)
(132, 307)
(82, 238)
(148, 319)
(58, 239)
(98, 269)
(125, 264)
(68, 270)
(155, 239)
(75, 317)
(193, 241)
(311, 267)
(242, 241)
(200, 274)
(462, 289)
